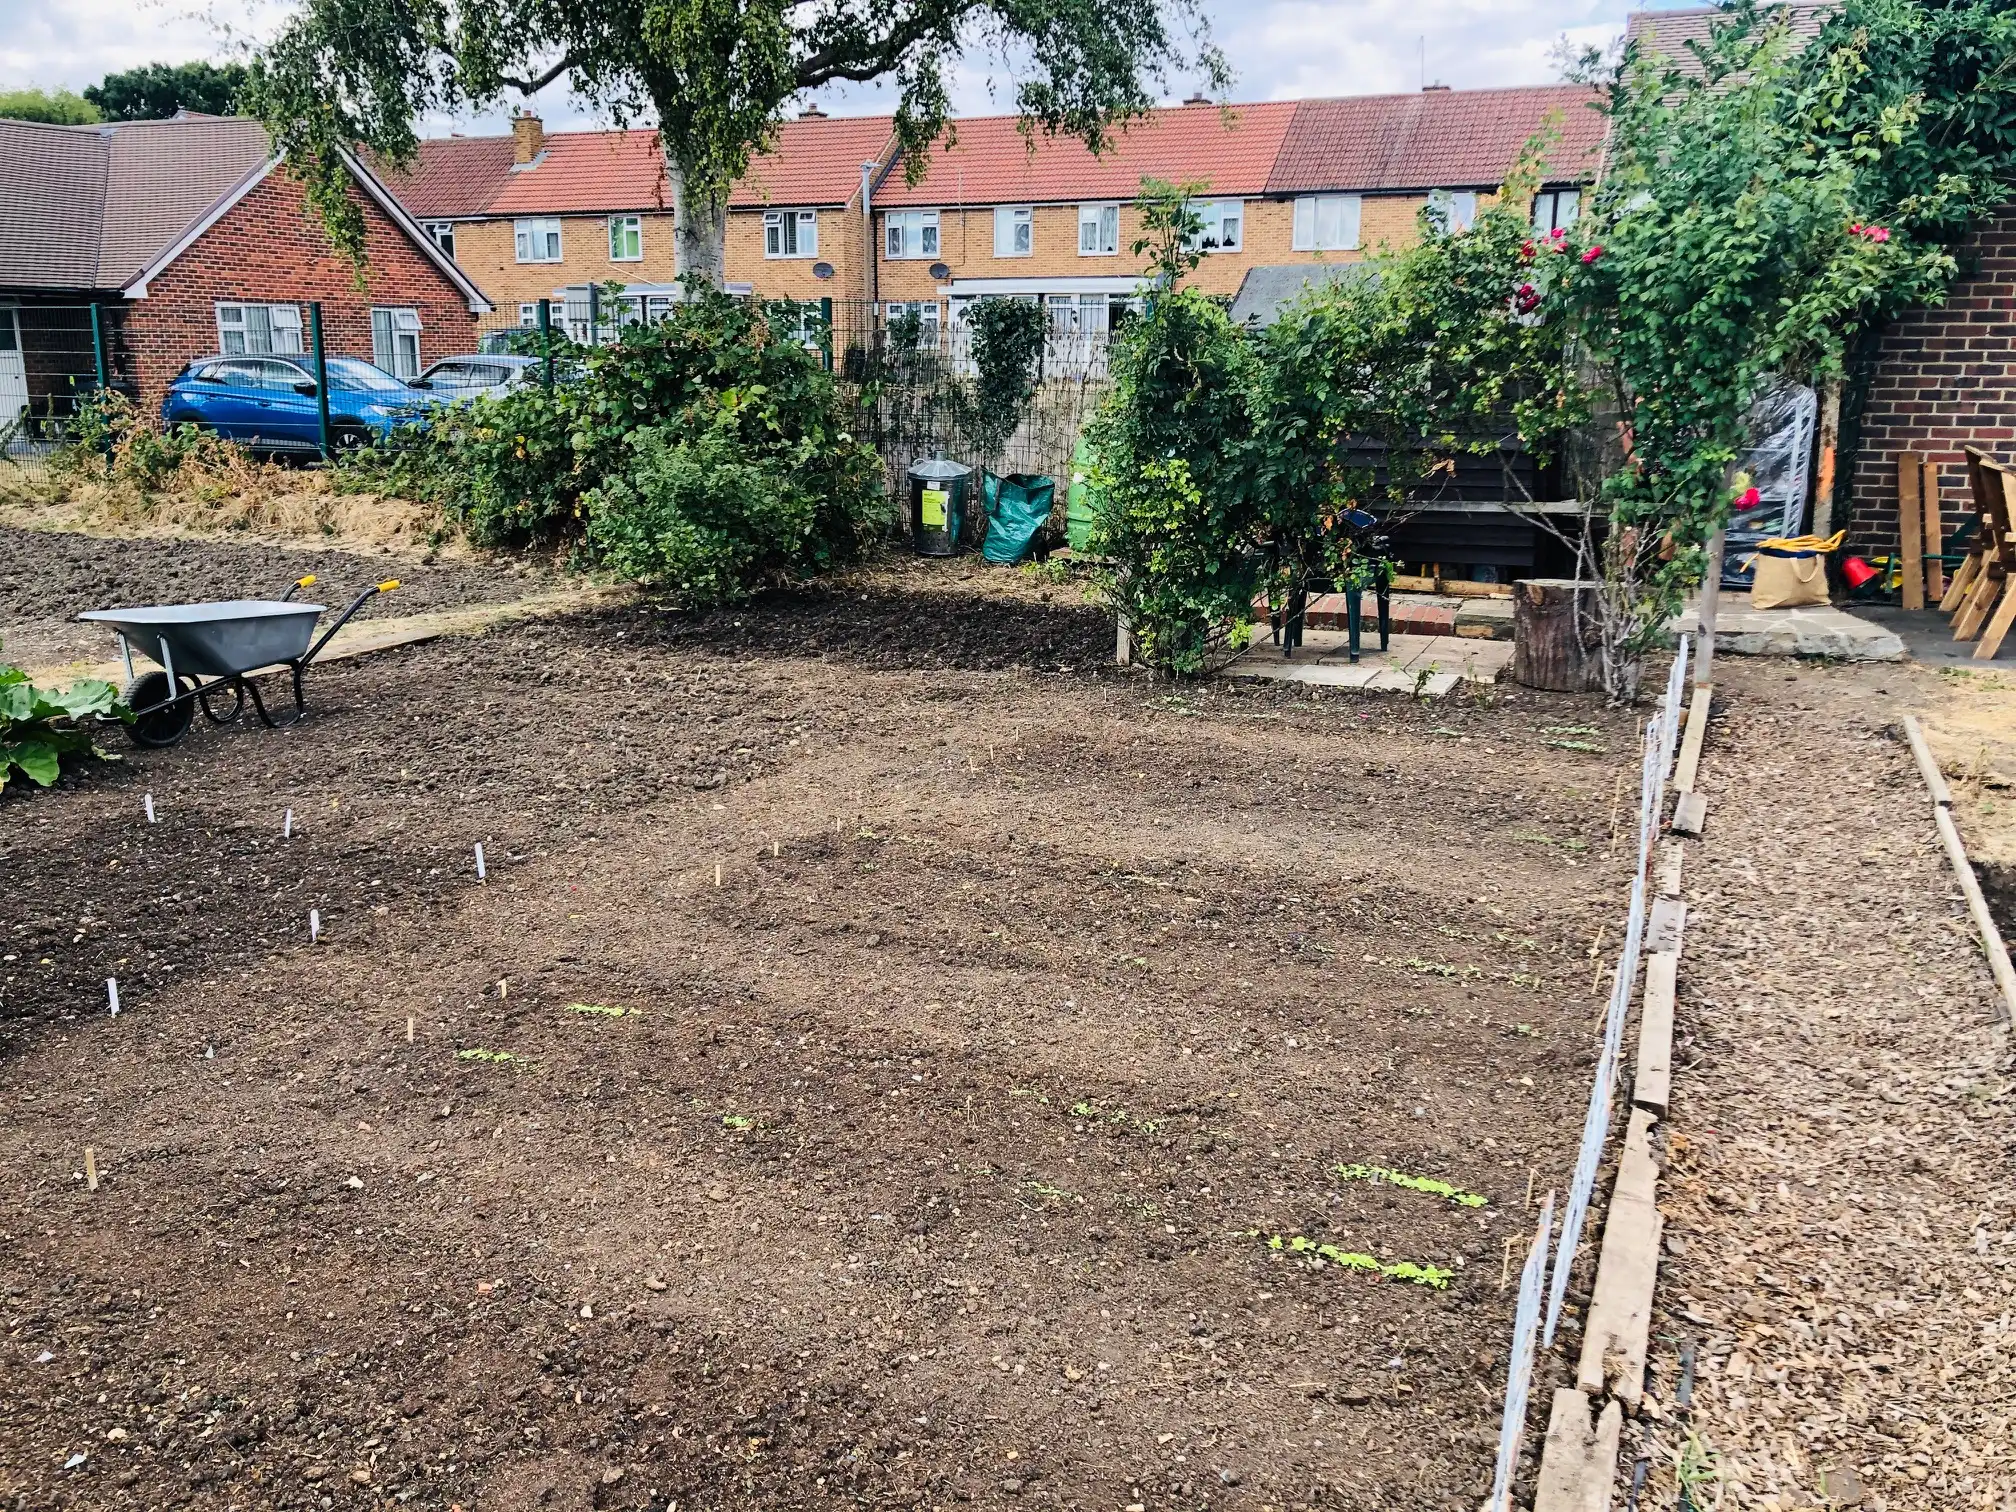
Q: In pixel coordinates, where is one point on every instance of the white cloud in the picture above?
(1279, 49)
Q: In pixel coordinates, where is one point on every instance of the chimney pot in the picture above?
(1434, 89)
(811, 113)
(528, 138)
(1199, 98)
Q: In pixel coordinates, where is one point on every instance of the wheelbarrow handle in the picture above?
(344, 618)
(297, 585)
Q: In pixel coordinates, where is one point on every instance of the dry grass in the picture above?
(227, 493)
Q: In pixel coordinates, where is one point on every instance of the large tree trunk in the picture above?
(1555, 636)
(700, 232)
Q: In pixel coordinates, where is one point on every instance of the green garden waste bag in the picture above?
(1078, 499)
(1017, 507)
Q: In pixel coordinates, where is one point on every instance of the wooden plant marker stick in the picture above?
(409, 1028)
(1935, 536)
(90, 1169)
(717, 873)
(1911, 525)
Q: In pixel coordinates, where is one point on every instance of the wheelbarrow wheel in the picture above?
(165, 725)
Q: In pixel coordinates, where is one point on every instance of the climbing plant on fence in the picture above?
(1220, 460)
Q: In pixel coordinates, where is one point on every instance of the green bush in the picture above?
(40, 727)
(707, 453)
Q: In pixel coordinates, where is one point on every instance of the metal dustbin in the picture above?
(938, 491)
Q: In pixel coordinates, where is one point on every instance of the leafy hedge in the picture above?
(707, 454)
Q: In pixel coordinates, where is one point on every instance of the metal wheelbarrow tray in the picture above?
(223, 642)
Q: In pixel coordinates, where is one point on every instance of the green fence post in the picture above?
(321, 377)
(546, 340)
(98, 347)
(594, 314)
(826, 320)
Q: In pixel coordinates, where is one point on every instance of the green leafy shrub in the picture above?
(1007, 344)
(41, 727)
(111, 439)
(707, 453)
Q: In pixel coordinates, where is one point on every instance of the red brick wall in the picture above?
(1945, 378)
(270, 248)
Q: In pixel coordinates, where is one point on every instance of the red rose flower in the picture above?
(1749, 499)
(1591, 255)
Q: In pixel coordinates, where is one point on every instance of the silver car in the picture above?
(492, 377)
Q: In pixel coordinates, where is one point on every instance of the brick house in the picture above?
(538, 215)
(187, 241)
(1293, 184)
(1938, 379)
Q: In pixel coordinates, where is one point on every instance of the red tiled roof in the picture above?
(815, 162)
(993, 163)
(451, 176)
(586, 173)
(1437, 139)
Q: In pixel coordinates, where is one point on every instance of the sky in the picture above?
(1278, 49)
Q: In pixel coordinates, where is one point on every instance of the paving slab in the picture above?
(1431, 665)
(1817, 630)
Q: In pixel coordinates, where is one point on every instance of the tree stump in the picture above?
(1554, 635)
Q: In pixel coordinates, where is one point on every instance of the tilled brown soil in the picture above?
(982, 1021)
(48, 577)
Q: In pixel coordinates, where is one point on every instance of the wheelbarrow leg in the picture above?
(259, 704)
(1353, 616)
(1385, 593)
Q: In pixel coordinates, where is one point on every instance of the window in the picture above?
(1014, 231)
(1452, 209)
(913, 323)
(626, 238)
(1098, 230)
(528, 315)
(910, 233)
(791, 233)
(1556, 209)
(442, 234)
(537, 240)
(259, 328)
(1224, 224)
(395, 341)
(1326, 222)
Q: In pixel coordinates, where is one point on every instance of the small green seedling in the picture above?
(1119, 1116)
(495, 1057)
(603, 1010)
(737, 1121)
(1380, 1176)
(1043, 1190)
(1570, 730)
(1432, 1276)
(1577, 745)
(1527, 1030)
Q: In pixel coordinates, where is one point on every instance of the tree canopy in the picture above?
(715, 74)
(155, 91)
(57, 107)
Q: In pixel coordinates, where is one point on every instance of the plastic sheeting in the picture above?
(1780, 464)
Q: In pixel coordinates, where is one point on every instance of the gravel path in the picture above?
(1841, 1223)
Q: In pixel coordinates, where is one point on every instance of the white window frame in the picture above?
(1014, 231)
(1211, 235)
(277, 325)
(1453, 209)
(528, 315)
(903, 228)
(395, 340)
(929, 317)
(1549, 206)
(790, 233)
(538, 240)
(623, 225)
(1328, 222)
(1103, 222)
(442, 234)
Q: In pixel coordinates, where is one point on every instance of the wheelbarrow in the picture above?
(225, 643)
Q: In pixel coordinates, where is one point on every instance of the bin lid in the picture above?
(938, 470)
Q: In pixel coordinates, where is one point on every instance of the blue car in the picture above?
(268, 403)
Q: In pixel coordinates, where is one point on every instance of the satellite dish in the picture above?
(940, 272)
(822, 270)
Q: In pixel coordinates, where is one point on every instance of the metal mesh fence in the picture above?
(49, 362)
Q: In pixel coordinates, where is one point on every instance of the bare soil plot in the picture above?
(935, 1151)
(48, 577)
